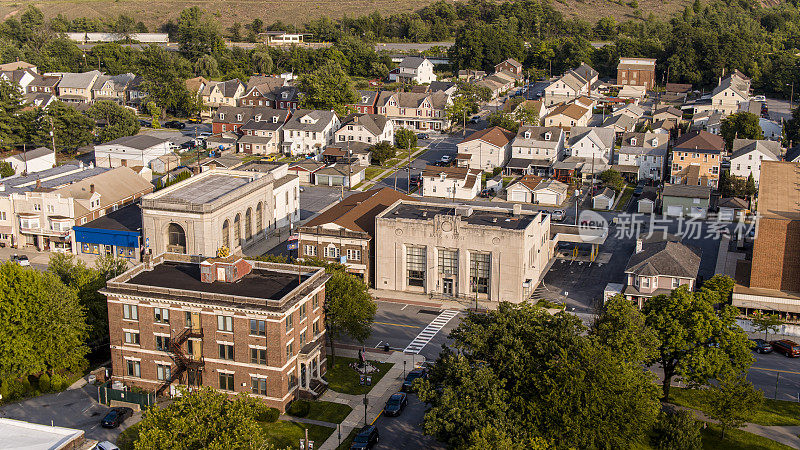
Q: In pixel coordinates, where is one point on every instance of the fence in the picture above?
(106, 394)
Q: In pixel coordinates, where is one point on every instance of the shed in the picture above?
(605, 199)
(165, 163)
(647, 202)
(731, 207)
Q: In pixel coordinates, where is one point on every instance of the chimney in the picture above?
(38, 183)
(91, 188)
(517, 209)
(639, 245)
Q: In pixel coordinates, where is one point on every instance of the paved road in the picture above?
(438, 146)
(410, 46)
(405, 431)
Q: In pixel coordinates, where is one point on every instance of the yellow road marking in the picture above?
(376, 418)
(396, 324)
(775, 370)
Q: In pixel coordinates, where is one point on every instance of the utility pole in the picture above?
(53, 137)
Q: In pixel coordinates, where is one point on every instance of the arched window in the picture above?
(259, 219)
(226, 233)
(176, 238)
(237, 229)
(248, 224)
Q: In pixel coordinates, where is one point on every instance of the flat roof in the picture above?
(207, 189)
(259, 283)
(779, 191)
(25, 435)
(500, 218)
(128, 218)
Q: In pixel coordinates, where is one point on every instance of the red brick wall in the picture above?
(776, 255)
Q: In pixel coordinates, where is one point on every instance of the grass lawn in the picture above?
(737, 439)
(283, 434)
(771, 412)
(345, 445)
(373, 171)
(328, 411)
(623, 201)
(342, 378)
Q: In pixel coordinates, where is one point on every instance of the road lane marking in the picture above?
(404, 307)
(396, 324)
(775, 370)
(378, 344)
(430, 331)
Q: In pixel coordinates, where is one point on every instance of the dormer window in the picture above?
(655, 142)
(364, 99)
(274, 119)
(238, 117)
(285, 95)
(258, 117)
(633, 141)
(548, 136)
(221, 116)
(527, 135)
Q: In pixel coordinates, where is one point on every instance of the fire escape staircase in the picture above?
(180, 358)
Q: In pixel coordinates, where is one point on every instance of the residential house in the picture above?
(592, 142)
(448, 87)
(21, 77)
(636, 72)
(305, 169)
(498, 83)
(646, 153)
(748, 155)
(308, 131)
(418, 112)
(414, 69)
(681, 200)
(588, 73)
(346, 231)
(221, 162)
(460, 183)
(667, 112)
(567, 87)
(534, 189)
(470, 75)
(535, 149)
(259, 91)
(630, 110)
(18, 65)
(772, 130)
(135, 93)
(696, 157)
(620, 123)
(112, 88)
(32, 161)
(76, 87)
(568, 116)
(366, 102)
(196, 85)
(633, 93)
(359, 152)
(510, 66)
(216, 94)
(41, 92)
(262, 133)
(232, 118)
(138, 150)
(366, 128)
(530, 111)
(345, 173)
(489, 148)
(285, 97)
(659, 265)
(729, 93)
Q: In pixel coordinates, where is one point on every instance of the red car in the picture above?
(789, 348)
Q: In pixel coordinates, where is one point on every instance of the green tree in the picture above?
(349, 307)
(6, 169)
(207, 67)
(261, 60)
(750, 188)
(382, 152)
(405, 138)
(503, 120)
(621, 328)
(722, 285)
(328, 87)
(768, 323)
(731, 400)
(115, 121)
(613, 179)
(198, 35)
(460, 109)
(72, 129)
(522, 374)
(741, 125)
(155, 113)
(42, 324)
(203, 419)
(678, 430)
(10, 105)
(697, 340)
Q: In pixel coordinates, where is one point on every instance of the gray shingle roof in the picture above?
(320, 119)
(666, 258)
(412, 62)
(745, 146)
(139, 141)
(78, 80)
(686, 190)
(374, 123)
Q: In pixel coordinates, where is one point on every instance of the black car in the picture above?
(145, 123)
(115, 417)
(760, 346)
(411, 377)
(177, 124)
(366, 438)
(396, 404)
(423, 136)
(416, 180)
(638, 191)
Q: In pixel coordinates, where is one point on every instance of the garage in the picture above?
(519, 195)
(674, 210)
(547, 198)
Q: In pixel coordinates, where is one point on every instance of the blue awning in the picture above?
(107, 237)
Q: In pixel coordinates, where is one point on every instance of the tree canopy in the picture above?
(114, 121)
(328, 87)
(741, 125)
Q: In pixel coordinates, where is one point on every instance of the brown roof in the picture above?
(193, 85)
(450, 171)
(700, 140)
(530, 181)
(572, 110)
(678, 87)
(778, 191)
(496, 136)
(357, 212)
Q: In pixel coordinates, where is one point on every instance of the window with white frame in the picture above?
(225, 323)
(353, 255)
(134, 369)
(130, 312)
(163, 372)
(132, 338)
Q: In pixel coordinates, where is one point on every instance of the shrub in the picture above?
(267, 414)
(299, 408)
(128, 438)
(26, 386)
(677, 431)
(44, 383)
(57, 383)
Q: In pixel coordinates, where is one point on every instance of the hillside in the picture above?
(155, 12)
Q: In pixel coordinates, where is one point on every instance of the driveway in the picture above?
(74, 408)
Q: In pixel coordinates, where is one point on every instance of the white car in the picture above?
(446, 159)
(22, 260)
(760, 98)
(106, 445)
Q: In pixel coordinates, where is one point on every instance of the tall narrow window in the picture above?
(259, 218)
(479, 272)
(415, 262)
(248, 224)
(448, 262)
(237, 229)
(226, 233)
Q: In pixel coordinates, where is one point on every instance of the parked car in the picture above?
(195, 120)
(396, 404)
(115, 417)
(366, 438)
(423, 136)
(788, 348)
(760, 346)
(145, 123)
(416, 374)
(446, 159)
(22, 260)
(474, 119)
(485, 193)
(177, 124)
(416, 180)
(638, 190)
(558, 215)
(105, 445)
(760, 98)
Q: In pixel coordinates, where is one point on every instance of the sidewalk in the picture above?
(43, 258)
(388, 385)
(786, 435)
(375, 180)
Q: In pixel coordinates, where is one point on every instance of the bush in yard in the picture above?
(128, 438)
(58, 382)
(44, 383)
(299, 408)
(268, 414)
(382, 152)
(677, 431)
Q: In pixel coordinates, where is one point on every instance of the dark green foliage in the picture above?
(114, 121)
(741, 125)
(382, 152)
(613, 179)
(6, 169)
(268, 414)
(299, 408)
(503, 120)
(677, 430)
(405, 138)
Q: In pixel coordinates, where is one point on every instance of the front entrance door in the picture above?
(447, 286)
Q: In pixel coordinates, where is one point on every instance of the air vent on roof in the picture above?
(465, 211)
(424, 213)
(396, 212)
(494, 219)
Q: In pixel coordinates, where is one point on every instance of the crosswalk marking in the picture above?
(430, 331)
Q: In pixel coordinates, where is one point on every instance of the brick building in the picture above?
(228, 323)
(770, 282)
(636, 72)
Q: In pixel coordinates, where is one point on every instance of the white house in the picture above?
(367, 128)
(488, 148)
(455, 183)
(130, 151)
(568, 116)
(569, 86)
(533, 189)
(604, 200)
(730, 92)
(309, 131)
(772, 130)
(415, 69)
(748, 154)
(535, 149)
(32, 161)
(592, 142)
(646, 151)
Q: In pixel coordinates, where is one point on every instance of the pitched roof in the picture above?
(496, 136)
(736, 82)
(700, 140)
(538, 137)
(441, 86)
(531, 182)
(602, 137)
(194, 85)
(118, 82)
(248, 112)
(572, 110)
(113, 186)
(586, 71)
(366, 98)
(745, 146)
(357, 212)
(438, 100)
(669, 110)
(412, 62)
(78, 80)
(678, 87)
(374, 123)
(309, 120)
(686, 190)
(511, 61)
(667, 258)
(265, 82)
(778, 193)
(16, 65)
